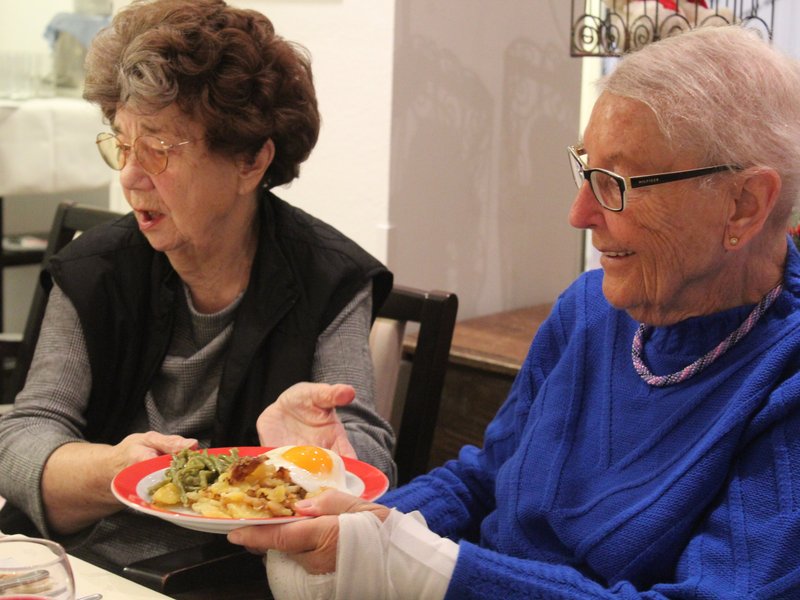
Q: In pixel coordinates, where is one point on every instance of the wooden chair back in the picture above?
(70, 219)
(417, 394)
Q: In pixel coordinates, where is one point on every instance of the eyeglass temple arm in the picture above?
(645, 180)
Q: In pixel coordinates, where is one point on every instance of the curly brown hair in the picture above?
(223, 66)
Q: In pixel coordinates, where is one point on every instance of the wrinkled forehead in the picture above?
(623, 133)
(166, 122)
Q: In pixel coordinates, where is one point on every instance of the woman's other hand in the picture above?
(306, 414)
(143, 446)
(312, 542)
(76, 482)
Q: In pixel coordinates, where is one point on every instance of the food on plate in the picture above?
(261, 486)
(310, 467)
(190, 471)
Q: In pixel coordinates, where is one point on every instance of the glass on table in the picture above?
(26, 75)
(34, 569)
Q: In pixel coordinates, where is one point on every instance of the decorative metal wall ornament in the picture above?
(614, 27)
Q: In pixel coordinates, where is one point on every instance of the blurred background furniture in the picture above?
(46, 147)
(18, 250)
(70, 219)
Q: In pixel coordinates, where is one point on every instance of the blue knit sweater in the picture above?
(592, 484)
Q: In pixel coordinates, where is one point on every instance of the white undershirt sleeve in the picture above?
(398, 559)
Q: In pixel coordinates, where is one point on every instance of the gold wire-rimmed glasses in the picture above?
(151, 152)
(609, 188)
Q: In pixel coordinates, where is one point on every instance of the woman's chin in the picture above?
(159, 243)
(618, 294)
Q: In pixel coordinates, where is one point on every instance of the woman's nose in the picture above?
(133, 176)
(585, 211)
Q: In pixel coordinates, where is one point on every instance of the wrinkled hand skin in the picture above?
(76, 481)
(305, 414)
(144, 446)
(312, 542)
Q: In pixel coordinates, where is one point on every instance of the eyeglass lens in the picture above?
(604, 187)
(149, 151)
(577, 170)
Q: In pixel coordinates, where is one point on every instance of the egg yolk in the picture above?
(312, 459)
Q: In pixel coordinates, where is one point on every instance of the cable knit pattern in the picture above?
(592, 484)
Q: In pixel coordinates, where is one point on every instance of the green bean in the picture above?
(193, 470)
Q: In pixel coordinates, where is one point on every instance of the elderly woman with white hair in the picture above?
(651, 442)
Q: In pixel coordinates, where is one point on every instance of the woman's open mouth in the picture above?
(148, 218)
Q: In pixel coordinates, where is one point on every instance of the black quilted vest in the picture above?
(304, 274)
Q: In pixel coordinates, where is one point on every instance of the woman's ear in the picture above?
(752, 206)
(252, 172)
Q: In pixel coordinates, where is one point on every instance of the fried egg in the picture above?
(310, 467)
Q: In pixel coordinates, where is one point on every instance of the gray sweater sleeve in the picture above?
(343, 356)
(48, 412)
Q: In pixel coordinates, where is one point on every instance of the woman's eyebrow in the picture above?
(153, 129)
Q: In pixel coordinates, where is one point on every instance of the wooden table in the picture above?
(485, 357)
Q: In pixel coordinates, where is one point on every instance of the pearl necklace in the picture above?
(705, 360)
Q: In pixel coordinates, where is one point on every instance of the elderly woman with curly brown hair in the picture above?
(195, 319)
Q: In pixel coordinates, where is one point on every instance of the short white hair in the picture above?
(723, 94)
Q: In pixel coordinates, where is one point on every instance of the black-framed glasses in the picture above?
(151, 152)
(609, 188)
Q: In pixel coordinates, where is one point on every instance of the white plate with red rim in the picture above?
(131, 486)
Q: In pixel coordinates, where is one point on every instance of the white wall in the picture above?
(486, 101)
(22, 23)
(345, 182)
(442, 149)
(787, 17)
